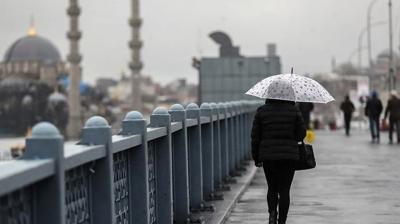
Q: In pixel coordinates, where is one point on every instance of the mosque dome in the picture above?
(386, 54)
(32, 48)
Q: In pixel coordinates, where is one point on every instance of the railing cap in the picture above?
(134, 115)
(177, 107)
(205, 106)
(45, 130)
(221, 105)
(192, 106)
(160, 111)
(213, 105)
(96, 122)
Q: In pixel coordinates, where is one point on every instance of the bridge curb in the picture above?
(221, 215)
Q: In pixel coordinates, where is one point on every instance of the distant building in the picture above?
(29, 74)
(380, 71)
(33, 57)
(230, 75)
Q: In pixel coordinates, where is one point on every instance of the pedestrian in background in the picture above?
(373, 111)
(393, 110)
(348, 108)
(305, 109)
(278, 126)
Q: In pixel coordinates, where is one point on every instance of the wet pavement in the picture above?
(354, 182)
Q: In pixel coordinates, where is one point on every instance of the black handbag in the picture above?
(307, 158)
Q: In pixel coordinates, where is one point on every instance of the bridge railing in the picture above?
(151, 172)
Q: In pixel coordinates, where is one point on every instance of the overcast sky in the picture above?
(308, 32)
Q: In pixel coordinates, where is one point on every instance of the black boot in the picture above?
(273, 217)
(282, 221)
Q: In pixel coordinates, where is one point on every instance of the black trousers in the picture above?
(394, 124)
(347, 120)
(374, 127)
(279, 175)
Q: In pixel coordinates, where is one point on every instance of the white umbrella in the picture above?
(291, 87)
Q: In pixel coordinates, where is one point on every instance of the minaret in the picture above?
(74, 58)
(136, 65)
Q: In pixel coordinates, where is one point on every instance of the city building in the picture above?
(33, 57)
(29, 77)
(230, 75)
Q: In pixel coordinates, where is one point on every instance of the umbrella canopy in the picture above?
(291, 87)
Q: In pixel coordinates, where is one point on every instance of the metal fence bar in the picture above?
(135, 124)
(231, 140)
(150, 175)
(207, 151)
(237, 136)
(163, 161)
(242, 131)
(46, 142)
(224, 142)
(195, 158)
(181, 166)
(97, 132)
(217, 147)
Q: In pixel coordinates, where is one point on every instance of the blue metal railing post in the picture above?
(97, 132)
(231, 139)
(216, 147)
(181, 166)
(242, 131)
(46, 142)
(195, 158)
(224, 141)
(135, 124)
(237, 135)
(207, 150)
(163, 155)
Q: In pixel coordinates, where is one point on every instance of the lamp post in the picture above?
(354, 52)
(360, 38)
(371, 4)
(391, 69)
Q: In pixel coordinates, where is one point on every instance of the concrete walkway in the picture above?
(354, 182)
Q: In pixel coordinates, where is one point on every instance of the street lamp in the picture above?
(360, 37)
(391, 69)
(371, 4)
(354, 52)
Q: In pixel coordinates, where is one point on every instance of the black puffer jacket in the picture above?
(277, 128)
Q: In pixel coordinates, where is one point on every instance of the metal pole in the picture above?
(360, 39)
(371, 4)
(391, 81)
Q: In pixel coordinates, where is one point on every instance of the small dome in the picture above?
(386, 54)
(32, 48)
(57, 97)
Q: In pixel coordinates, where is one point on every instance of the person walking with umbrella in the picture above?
(278, 127)
(393, 110)
(348, 108)
(373, 111)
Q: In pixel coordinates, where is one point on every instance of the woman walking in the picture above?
(277, 128)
